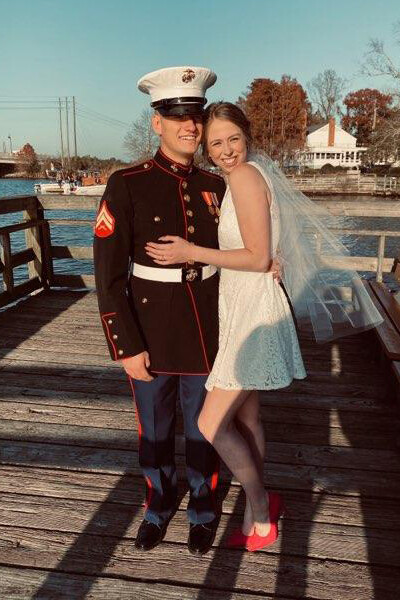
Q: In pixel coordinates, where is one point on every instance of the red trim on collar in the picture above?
(174, 162)
(169, 172)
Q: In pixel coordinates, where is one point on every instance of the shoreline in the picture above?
(388, 195)
(11, 176)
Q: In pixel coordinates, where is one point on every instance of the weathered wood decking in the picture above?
(71, 490)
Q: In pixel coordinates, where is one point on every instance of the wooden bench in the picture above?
(388, 332)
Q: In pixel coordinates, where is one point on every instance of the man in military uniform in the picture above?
(162, 323)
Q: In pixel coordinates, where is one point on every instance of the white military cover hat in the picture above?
(178, 90)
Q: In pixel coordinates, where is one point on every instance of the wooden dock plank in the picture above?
(108, 417)
(71, 490)
(52, 488)
(19, 392)
(316, 384)
(127, 439)
(25, 584)
(280, 432)
(324, 540)
(62, 345)
(90, 555)
(279, 474)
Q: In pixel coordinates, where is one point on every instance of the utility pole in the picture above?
(74, 113)
(61, 133)
(4, 148)
(9, 137)
(67, 126)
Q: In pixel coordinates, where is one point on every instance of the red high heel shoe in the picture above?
(237, 539)
(276, 509)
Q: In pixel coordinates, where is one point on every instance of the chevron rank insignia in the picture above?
(105, 222)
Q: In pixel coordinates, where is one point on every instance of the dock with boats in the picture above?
(71, 488)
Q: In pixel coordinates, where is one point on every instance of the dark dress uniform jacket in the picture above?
(177, 323)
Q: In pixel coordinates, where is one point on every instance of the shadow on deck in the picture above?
(72, 492)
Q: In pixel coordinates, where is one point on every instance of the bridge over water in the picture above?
(7, 163)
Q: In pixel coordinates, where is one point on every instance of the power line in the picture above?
(28, 107)
(27, 101)
(25, 97)
(95, 119)
(101, 115)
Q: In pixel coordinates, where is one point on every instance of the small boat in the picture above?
(68, 188)
(89, 190)
(48, 188)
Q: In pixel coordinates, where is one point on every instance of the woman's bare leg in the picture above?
(249, 425)
(217, 424)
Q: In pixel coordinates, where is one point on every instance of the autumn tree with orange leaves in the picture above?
(278, 115)
(365, 111)
(29, 160)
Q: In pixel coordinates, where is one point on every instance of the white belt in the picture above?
(173, 275)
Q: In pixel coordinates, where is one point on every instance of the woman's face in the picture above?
(226, 144)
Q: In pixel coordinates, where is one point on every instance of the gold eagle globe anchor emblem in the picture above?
(188, 76)
(191, 274)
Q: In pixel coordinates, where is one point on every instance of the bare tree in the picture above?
(379, 63)
(326, 91)
(385, 142)
(141, 141)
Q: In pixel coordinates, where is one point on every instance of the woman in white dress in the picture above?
(258, 345)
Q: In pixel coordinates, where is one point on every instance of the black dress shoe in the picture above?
(149, 535)
(201, 537)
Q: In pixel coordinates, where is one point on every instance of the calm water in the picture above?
(60, 236)
(82, 236)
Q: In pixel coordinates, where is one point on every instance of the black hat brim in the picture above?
(179, 106)
(180, 110)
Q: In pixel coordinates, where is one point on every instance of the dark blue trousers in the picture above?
(156, 406)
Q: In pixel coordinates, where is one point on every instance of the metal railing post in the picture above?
(381, 255)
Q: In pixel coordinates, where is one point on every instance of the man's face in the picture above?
(180, 135)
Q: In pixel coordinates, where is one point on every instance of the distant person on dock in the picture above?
(59, 178)
(165, 329)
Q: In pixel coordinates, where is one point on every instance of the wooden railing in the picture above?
(40, 254)
(71, 203)
(347, 184)
(37, 254)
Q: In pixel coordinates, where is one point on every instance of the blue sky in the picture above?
(97, 50)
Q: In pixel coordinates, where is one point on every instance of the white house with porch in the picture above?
(330, 144)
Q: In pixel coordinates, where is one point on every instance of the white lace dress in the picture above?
(258, 345)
